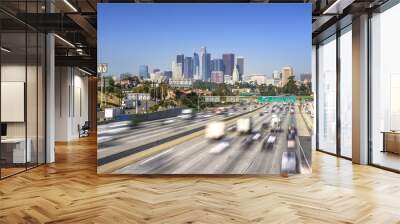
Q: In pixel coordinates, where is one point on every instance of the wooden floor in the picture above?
(70, 191)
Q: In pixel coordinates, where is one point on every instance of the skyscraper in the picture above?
(217, 65)
(236, 74)
(240, 64)
(286, 73)
(180, 58)
(217, 76)
(196, 66)
(168, 74)
(188, 68)
(276, 75)
(229, 62)
(205, 64)
(177, 71)
(144, 71)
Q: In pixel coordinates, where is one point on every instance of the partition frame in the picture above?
(44, 94)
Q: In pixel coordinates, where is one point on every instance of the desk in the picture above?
(391, 141)
(13, 150)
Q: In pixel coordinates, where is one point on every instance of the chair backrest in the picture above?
(86, 125)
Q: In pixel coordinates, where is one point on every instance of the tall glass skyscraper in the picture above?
(205, 64)
(144, 71)
(217, 65)
(196, 66)
(229, 62)
(180, 58)
(240, 65)
(188, 68)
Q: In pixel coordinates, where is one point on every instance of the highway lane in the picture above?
(176, 159)
(269, 160)
(153, 132)
(202, 156)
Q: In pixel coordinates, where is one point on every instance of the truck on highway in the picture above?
(275, 123)
(215, 130)
(244, 125)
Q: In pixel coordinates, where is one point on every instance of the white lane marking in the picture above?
(118, 125)
(219, 147)
(155, 157)
(103, 139)
(168, 121)
(113, 131)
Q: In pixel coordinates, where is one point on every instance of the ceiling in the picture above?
(75, 21)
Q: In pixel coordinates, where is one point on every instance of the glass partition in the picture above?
(385, 89)
(327, 95)
(22, 78)
(13, 115)
(346, 92)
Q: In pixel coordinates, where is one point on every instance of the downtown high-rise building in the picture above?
(240, 65)
(188, 68)
(180, 58)
(205, 64)
(276, 75)
(196, 66)
(177, 71)
(286, 73)
(217, 65)
(168, 74)
(229, 62)
(217, 76)
(144, 71)
(236, 74)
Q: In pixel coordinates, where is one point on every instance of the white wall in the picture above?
(71, 103)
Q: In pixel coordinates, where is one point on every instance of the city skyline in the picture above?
(156, 42)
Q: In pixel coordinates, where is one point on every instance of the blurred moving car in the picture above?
(289, 163)
(220, 110)
(291, 144)
(269, 142)
(187, 114)
(248, 140)
(232, 128)
(215, 130)
(244, 125)
(168, 122)
(265, 125)
(256, 136)
(292, 132)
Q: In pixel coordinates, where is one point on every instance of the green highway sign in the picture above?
(277, 99)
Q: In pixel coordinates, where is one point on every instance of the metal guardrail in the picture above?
(302, 152)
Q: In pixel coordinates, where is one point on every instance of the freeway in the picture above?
(118, 138)
(233, 154)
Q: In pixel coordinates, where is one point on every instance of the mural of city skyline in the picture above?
(205, 89)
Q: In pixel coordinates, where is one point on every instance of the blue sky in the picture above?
(268, 36)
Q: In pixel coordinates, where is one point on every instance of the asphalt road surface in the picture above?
(230, 155)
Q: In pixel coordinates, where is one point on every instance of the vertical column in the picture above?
(50, 98)
(360, 89)
(314, 90)
(50, 92)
